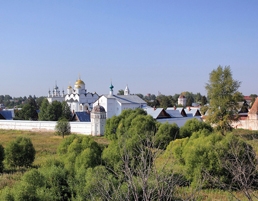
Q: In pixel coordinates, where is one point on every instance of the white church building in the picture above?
(76, 97)
(115, 104)
(55, 95)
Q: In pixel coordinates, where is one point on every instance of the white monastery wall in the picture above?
(76, 127)
(250, 124)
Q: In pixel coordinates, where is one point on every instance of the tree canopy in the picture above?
(222, 91)
(54, 111)
(28, 111)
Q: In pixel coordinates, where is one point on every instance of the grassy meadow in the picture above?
(46, 144)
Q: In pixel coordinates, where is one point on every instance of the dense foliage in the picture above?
(165, 134)
(223, 94)
(18, 102)
(211, 160)
(191, 126)
(20, 152)
(28, 111)
(54, 111)
(164, 101)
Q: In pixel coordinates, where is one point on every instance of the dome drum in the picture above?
(98, 108)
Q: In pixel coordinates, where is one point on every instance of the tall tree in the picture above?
(198, 97)
(63, 127)
(66, 111)
(204, 100)
(29, 111)
(189, 101)
(222, 91)
(164, 101)
(43, 111)
(54, 111)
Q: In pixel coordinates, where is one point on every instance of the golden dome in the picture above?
(69, 87)
(79, 82)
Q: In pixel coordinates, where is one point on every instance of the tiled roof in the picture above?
(247, 98)
(83, 116)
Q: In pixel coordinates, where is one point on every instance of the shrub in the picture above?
(193, 125)
(20, 152)
(166, 133)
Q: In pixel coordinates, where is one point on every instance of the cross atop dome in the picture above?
(111, 89)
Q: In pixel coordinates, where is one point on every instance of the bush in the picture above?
(20, 152)
(193, 125)
(212, 160)
(166, 133)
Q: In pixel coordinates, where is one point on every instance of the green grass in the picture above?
(45, 144)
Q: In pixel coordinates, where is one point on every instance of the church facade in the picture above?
(55, 95)
(115, 104)
(77, 97)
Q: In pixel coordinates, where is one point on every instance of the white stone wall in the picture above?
(250, 124)
(76, 127)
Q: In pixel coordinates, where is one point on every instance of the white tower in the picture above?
(182, 100)
(98, 120)
(126, 91)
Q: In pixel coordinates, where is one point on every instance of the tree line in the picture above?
(18, 102)
(45, 112)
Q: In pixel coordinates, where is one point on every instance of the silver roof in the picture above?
(192, 112)
(174, 113)
(127, 98)
(153, 112)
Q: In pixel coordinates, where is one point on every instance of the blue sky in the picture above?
(166, 46)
